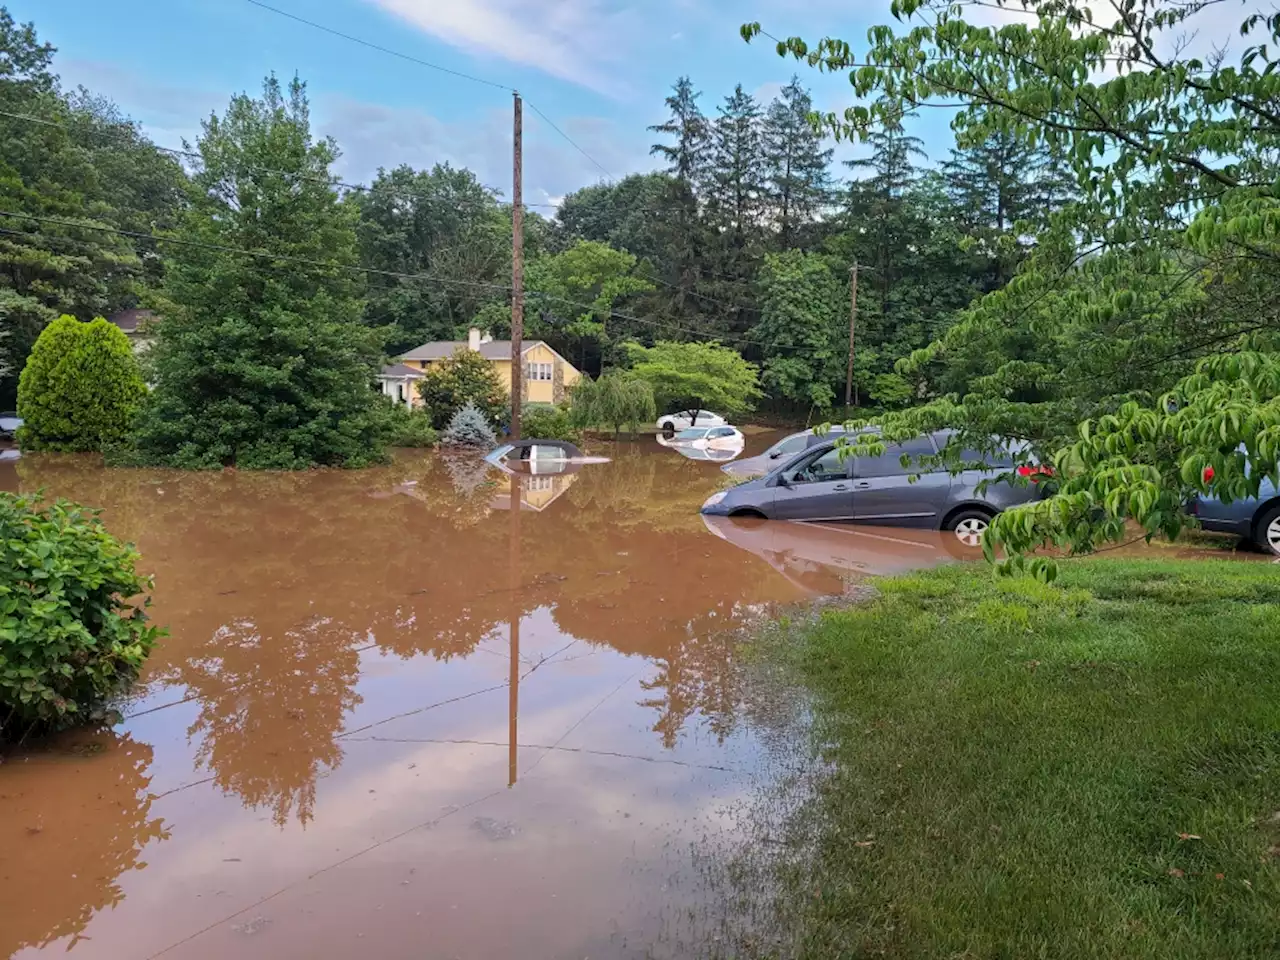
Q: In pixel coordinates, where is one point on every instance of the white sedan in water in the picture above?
(673, 423)
(707, 438)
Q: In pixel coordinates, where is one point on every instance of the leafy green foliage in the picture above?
(469, 427)
(616, 399)
(85, 163)
(1156, 285)
(69, 637)
(544, 422)
(257, 364)
(575, 292)
(803, 328)
(410, 428)
(80, 389)
(465, 379)
(443, 223)
(702, 375)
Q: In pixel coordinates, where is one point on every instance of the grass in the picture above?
(1084, 770)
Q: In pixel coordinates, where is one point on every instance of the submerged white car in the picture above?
(708, 438)
(673, 423)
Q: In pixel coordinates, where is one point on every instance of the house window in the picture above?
(537, 371)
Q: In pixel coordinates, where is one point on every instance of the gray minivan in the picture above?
(820, 485)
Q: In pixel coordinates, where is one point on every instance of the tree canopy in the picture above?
(258, 364)
(696, 376)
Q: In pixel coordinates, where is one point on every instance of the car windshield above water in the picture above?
(693, 433)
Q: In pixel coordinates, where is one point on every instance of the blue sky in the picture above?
(598, 68)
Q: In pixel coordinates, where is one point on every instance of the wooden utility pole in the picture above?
(517, 269)
(849, 396)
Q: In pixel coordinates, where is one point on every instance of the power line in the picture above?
(379, 47)
(329, 181)
(432, 66)
(571, 141)
(306, 261)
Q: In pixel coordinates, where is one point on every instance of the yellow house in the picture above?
(547, 375)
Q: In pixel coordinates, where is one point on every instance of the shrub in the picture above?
(465, 378)
(410, 428)
(80, 388)
(69, 637)
(615, 400)
(544, 422)
(470, 428)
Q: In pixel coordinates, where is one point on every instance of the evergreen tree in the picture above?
(734, 178)
(998, 183)
(893, 155)
(263, 363)
(686, 156)
(80, 388)
(468, 427)
(798, 181)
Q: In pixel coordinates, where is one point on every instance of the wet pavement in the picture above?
(427, 710)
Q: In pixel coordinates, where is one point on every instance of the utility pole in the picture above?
(849, 396)
(517, 269)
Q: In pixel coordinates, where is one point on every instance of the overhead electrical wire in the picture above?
(372, 271)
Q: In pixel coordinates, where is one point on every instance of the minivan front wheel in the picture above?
(969, 526)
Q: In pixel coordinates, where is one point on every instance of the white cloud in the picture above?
(574, 40)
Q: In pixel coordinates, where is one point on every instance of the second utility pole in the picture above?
(517, 269)
(853, 332)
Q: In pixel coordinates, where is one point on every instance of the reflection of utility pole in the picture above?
(849, 395)
(517, 269)
(513, 680)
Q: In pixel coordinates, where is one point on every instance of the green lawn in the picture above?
(1088, 769)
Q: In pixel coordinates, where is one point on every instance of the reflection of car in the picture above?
(717, 438)
(1254, 518)
(779, 453)
(820, 484)
(9, 424)
(803, 552)
(713, 454)
(672, 423)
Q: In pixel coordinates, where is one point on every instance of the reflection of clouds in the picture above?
(64, 846)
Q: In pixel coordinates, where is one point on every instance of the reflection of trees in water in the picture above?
(89, 822)
(270, 709)
(268, 583)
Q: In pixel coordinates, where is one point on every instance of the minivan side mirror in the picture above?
(782, 480)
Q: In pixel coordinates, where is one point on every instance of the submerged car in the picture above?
(820, 484)
(1254, 518)
(539, 457)
(779, 453)
(673, 423)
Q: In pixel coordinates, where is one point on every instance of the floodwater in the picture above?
(397, 717)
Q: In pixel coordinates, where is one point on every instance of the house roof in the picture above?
(443, 349)
(401, 372)
(128, 320)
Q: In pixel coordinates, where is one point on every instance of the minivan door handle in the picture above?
(862, 485)
(841, 486)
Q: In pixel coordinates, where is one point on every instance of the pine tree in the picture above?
(893, 155)
(685, 157)
(263, 363)
(735, 176)
(796, 172)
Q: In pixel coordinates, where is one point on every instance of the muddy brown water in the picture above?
(396, 717)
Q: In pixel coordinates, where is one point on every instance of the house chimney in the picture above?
(473, 340)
